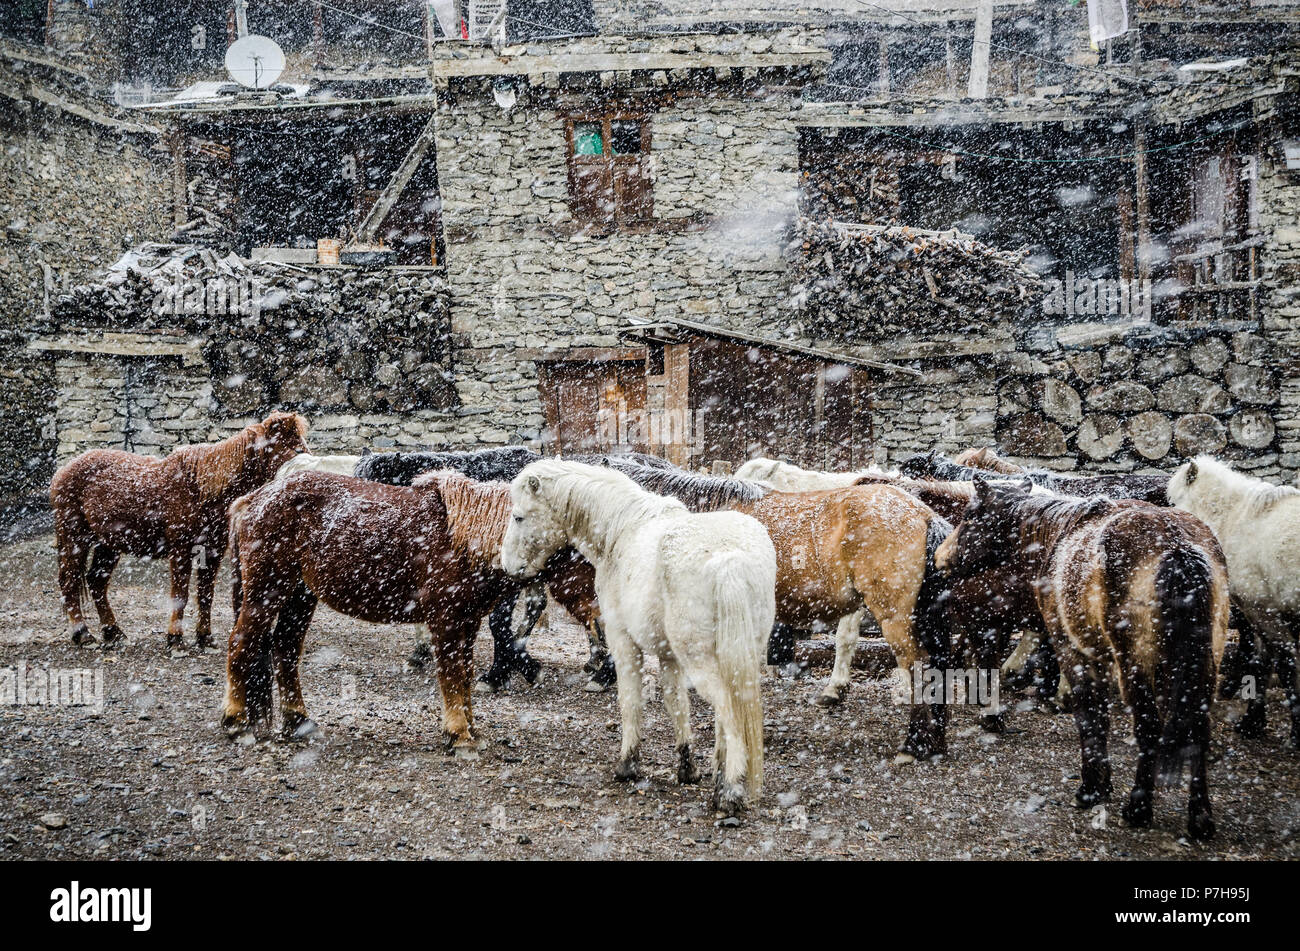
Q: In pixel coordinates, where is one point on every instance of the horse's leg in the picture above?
(989, 645)
(846, 642)
(600, 663)
(925, 729)
(73, 551)
(423, 650)
(678, 704)
(205, 579)
(247, 706)
(1255, 675)
(286, 644)
(179, 562)
(1288, 672)
(1092, 716)
(780, 646)
(453, 646)
(498, 675)
(102, 563)
(520, 659)
(1146, 726)
(628, 662)
(1014, 668)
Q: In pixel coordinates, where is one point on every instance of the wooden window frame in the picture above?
(629, 212)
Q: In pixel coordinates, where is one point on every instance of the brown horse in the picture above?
(387, 554)
(837, 552)
(108, 502)
(1128, 592)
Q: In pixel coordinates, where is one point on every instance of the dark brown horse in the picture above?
(427, 554)
(1129, 593)
(108, 502)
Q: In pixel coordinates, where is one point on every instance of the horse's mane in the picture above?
(1258, 495)
(700, 493)
(215, 467)
(1044, 519)
(477, 512)
(597, 500)
(938, 466)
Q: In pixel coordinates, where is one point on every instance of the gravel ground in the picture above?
(152, 776)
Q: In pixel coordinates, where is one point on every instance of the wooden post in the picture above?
(180, 180)
(318, 30)
(677, 401)
(978, 88)
(950, 64)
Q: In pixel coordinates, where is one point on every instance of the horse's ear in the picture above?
(1192, 472)
(1026, 486)
(534, 484)
(981, 488)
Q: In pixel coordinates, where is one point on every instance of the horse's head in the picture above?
(919, 466)
(279, 438)
(1183, 483)
(987, 535)
(534, 532)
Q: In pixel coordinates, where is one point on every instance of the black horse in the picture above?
(1147, 488)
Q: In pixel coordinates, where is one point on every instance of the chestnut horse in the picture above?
(987, 458)
(387, 554)
(108, 502)
(1128, 592)
(838, 552)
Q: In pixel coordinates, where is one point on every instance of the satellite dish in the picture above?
(255, 61)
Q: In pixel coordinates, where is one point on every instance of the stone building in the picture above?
(1003, 234)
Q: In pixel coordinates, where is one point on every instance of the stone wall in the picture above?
(525, 281)
(71, 192)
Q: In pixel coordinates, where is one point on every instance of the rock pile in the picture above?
(283, 335)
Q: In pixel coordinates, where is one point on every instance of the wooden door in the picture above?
(594, 406)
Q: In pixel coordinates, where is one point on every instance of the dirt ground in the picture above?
(153, 777)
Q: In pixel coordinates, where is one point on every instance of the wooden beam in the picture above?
(978, 87)
(374, 218)
(443, 69)
(122, 345)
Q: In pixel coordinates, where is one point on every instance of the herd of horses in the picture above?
(1123, 583)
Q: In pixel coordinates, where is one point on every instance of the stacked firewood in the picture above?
(873, 280)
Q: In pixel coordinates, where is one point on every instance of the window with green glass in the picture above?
(588, 139)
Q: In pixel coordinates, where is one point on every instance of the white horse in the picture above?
(695, 590)
(305, 462)
(1258, 525)
(785, 477)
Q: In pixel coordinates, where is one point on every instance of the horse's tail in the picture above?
(1184, 589)
(236, 577)
(740, 640)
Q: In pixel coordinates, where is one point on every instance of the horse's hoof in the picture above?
(82, 636)
(531, 671)
(1087, 798)
(687, 773)
(298, 729)
(1200, 828)
(993, 723)
(729, 801)
(594, 686)
(829, 699)
(1137, 814)
(467, 753)
(904, 759)
(484, 686)
(626, 771)
(1252, 728)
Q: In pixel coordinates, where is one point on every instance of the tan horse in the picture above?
(838, 552)
(987, 459)
(108, 502)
